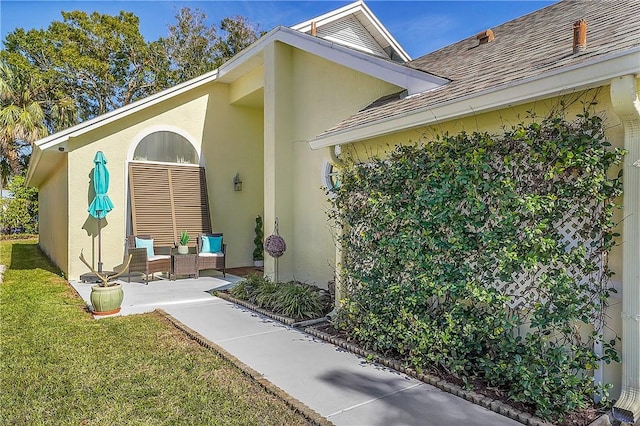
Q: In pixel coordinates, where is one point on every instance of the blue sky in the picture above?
(419, 26)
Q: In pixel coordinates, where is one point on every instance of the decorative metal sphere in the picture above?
(275, 245)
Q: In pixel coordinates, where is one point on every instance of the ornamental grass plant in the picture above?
(59, 366)
(292, 299)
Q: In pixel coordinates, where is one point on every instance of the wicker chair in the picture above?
(140, 262)
(211, 260)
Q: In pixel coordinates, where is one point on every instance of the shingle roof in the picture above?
(538, 43)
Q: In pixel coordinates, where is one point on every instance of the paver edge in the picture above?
(473, 397)
(311, 415)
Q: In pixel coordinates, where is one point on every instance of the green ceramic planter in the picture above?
(106, 300)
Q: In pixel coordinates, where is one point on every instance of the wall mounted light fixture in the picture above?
(237, 183)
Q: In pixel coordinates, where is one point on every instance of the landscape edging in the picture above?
(311, 415)
(474, 397)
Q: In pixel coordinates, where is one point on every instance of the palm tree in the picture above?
(28, 112)
(22, 120)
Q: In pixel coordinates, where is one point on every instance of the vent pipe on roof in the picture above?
(579, 36)
(485, 37)
(313, 28)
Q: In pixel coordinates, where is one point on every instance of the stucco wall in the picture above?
(232, 143)
(229, 140)
(117, 141)
(304, 95)
(52, 207)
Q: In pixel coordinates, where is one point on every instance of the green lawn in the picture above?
(60, 366)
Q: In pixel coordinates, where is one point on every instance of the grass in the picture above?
(60, 366)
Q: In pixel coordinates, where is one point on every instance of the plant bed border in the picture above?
(281, 318)
(474, 397)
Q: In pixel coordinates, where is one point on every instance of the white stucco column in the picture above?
(624, 97)
(278, 154)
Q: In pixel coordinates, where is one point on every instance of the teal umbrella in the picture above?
(101, 204)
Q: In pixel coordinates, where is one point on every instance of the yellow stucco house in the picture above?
(274, 115)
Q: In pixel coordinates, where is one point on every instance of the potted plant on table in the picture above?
(258, 251)
(184, 240)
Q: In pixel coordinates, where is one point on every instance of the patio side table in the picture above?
(184, 264)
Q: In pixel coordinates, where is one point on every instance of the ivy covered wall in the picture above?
(485, 256)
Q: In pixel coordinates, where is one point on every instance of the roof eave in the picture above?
(408, 78)
(565, 80)
(413, 80)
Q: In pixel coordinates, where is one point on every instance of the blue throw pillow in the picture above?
(211, 244)
(144, 243)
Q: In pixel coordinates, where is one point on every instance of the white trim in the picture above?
(96, 122)
(565, 80)
(328, 170)
(412, 80)
(163, 128)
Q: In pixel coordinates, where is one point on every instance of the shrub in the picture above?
(246, 289)
(293, 299)
(266, 294)
(297, 300)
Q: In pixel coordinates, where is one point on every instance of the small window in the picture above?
(166, 147)
(330, 176)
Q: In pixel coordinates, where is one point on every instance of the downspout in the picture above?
(624, 98)
(339, 290)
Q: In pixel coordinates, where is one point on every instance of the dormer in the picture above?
(356, 27)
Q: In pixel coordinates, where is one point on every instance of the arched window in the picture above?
(165, 147)
(330, 176)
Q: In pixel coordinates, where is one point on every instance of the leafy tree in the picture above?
(27, 113)
(237, 33)
(21, 212)
(194, 48)
(89, 64)
(102, 62)
(189, 46)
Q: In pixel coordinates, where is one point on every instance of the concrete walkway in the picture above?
(337, 384)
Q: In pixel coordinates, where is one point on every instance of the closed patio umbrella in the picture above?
(101, 204)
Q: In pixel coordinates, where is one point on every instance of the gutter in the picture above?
(624, 98)
(563, 80)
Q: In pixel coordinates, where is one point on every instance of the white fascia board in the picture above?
(86, 126)
(385, 34)
(414, 81)
(329, 16)
(241, 59)
(36, 154)
(556, 83)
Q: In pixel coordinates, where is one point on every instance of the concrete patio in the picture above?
(337, 384)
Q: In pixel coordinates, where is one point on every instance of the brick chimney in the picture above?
(579, 36)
